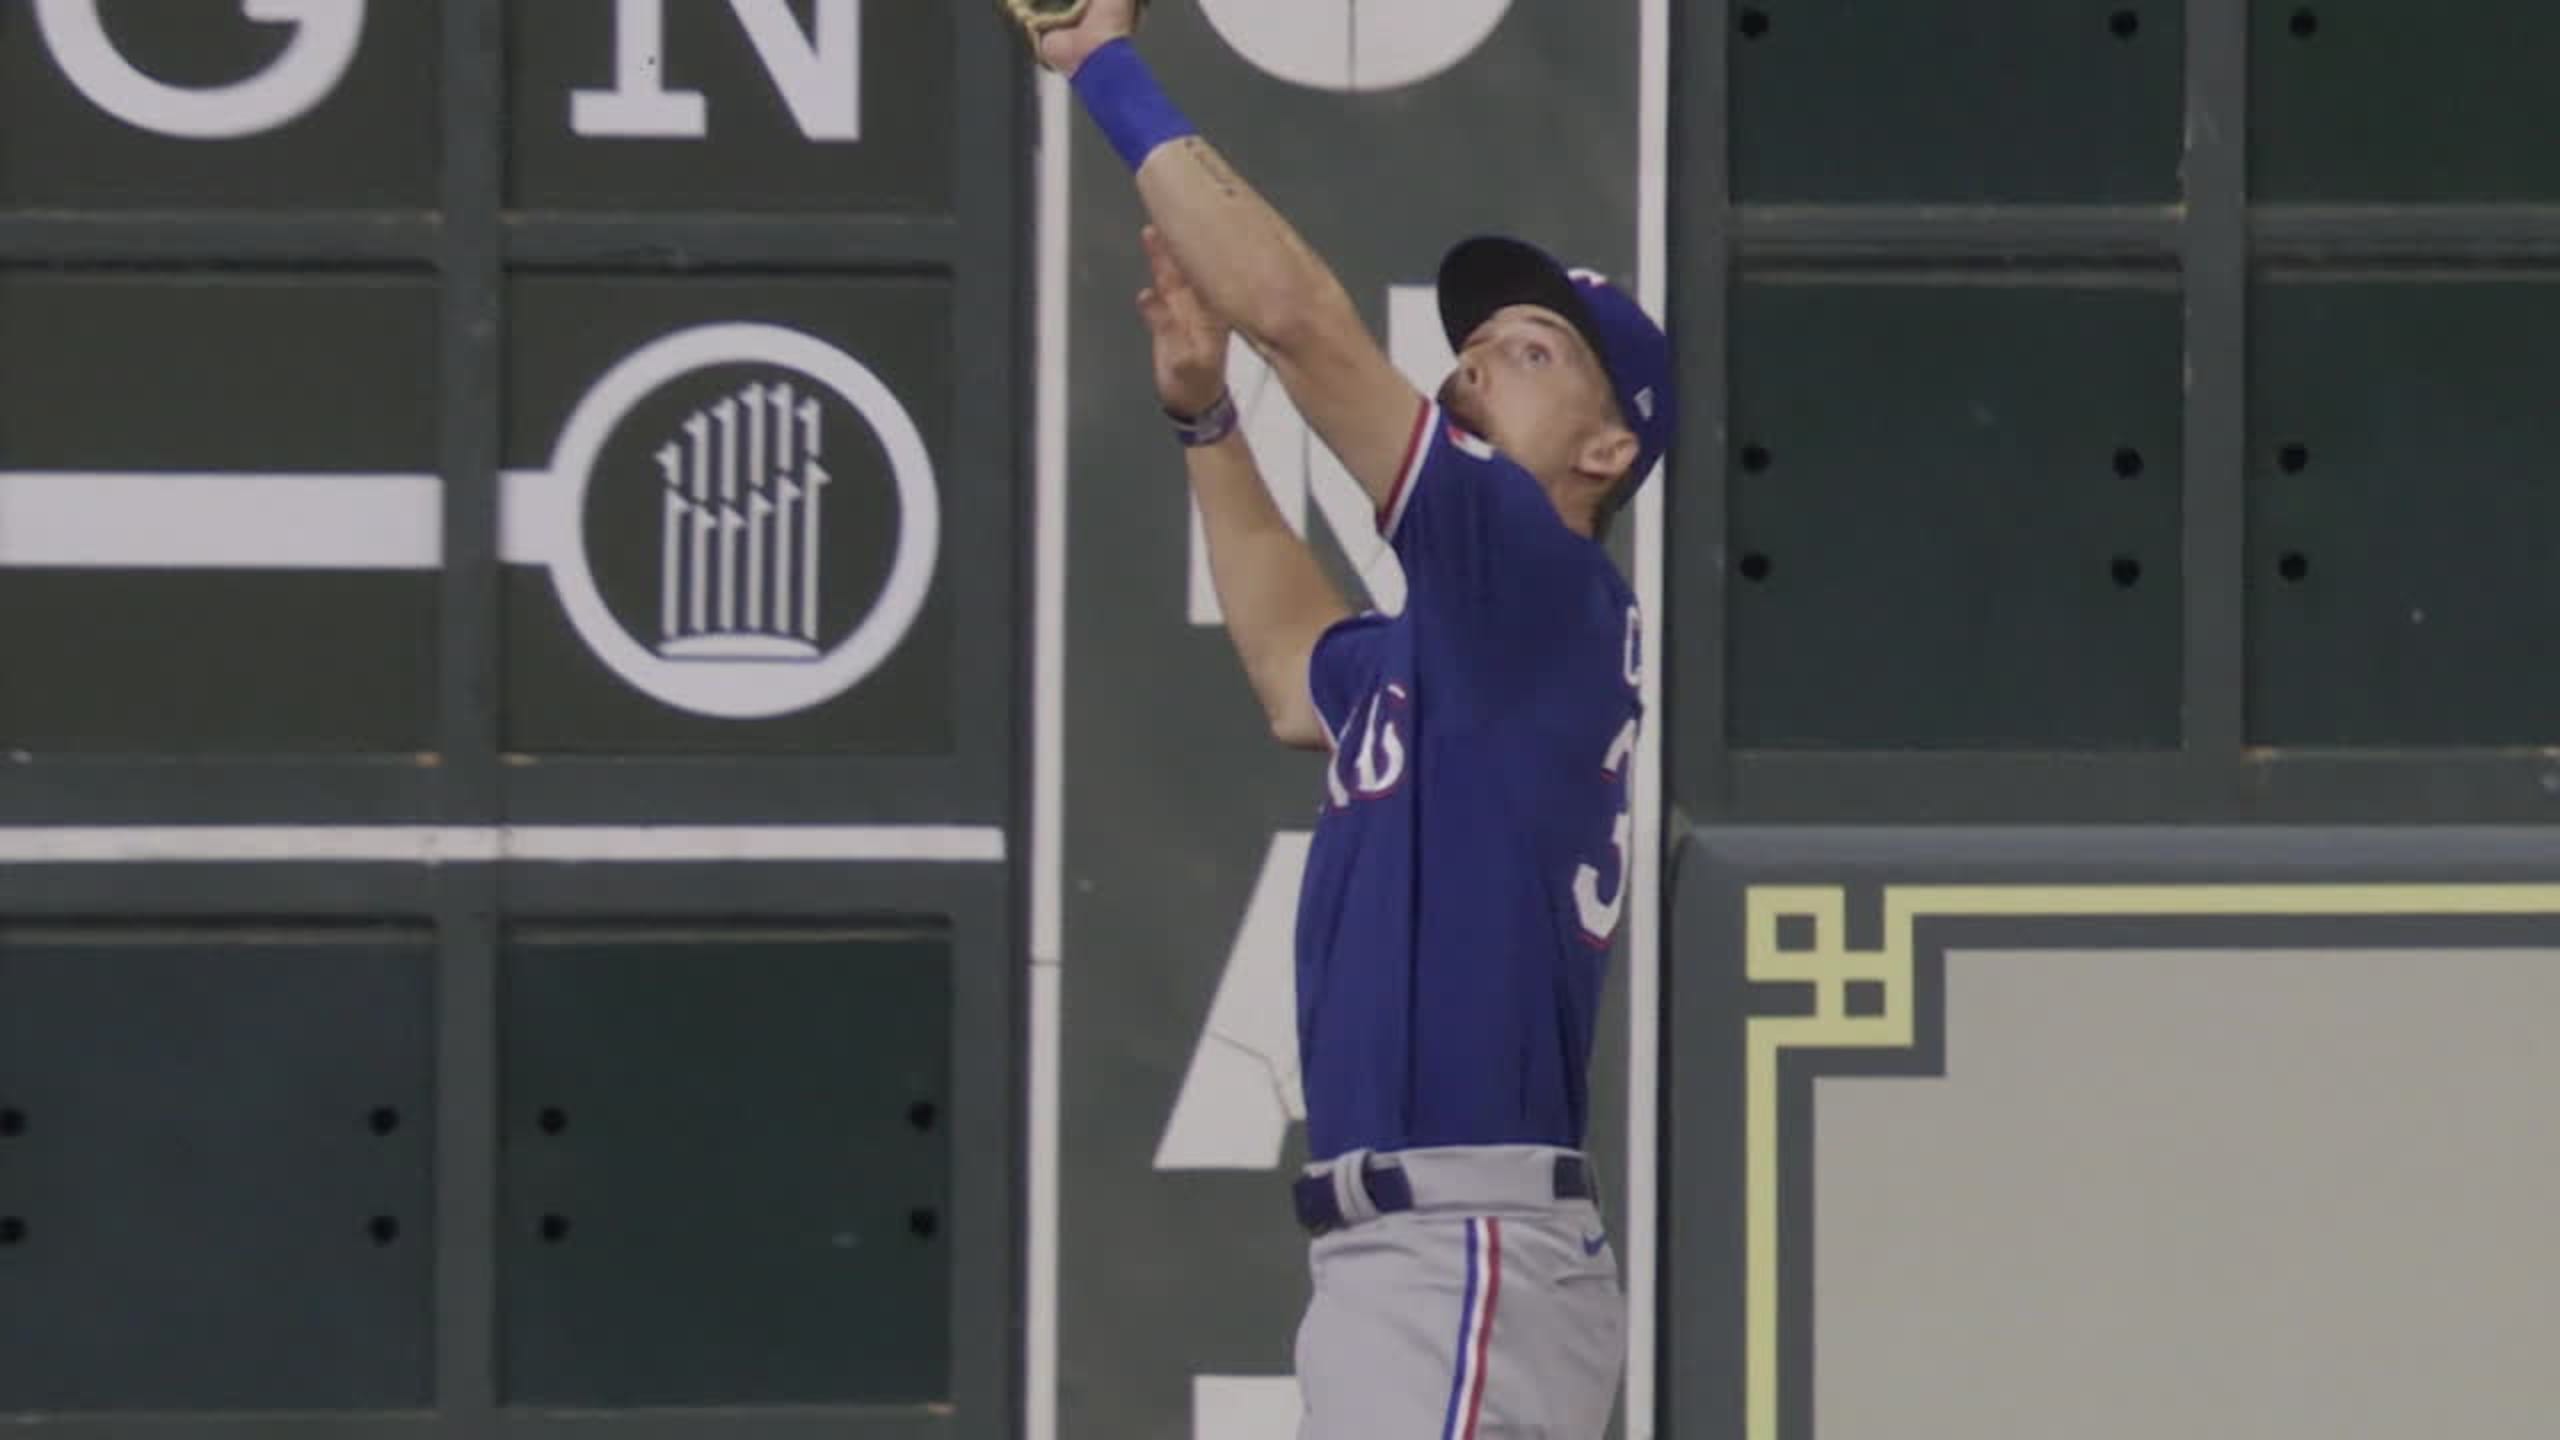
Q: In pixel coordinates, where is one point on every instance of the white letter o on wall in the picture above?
(1355, 45)
(326, 33)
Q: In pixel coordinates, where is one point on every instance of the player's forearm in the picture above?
(1276, 597)
(1237, 249)
(1242, 253)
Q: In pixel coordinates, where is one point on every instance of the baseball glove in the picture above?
(1036, 16)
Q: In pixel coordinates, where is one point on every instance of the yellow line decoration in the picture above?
(1815, 917)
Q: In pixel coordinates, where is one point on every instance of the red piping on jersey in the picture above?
(1404, 468)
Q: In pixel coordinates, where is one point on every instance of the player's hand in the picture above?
(1064, 48)
(1190, 338)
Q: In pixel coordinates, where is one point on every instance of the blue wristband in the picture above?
(1122, 96)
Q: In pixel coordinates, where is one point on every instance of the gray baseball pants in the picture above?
(1490, 1310)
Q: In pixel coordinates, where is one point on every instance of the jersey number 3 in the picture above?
(1600, 917)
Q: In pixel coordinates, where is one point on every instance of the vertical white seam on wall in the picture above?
(1048, 774)
(1644, 941)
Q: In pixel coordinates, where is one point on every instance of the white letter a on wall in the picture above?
(1242, 1091)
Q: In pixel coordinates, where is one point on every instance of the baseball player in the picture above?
(1469, 865)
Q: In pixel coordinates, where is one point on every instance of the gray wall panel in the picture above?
(1814, 965)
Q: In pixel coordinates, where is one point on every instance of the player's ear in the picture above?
(1607, 453)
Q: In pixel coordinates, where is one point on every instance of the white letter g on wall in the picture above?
(326, 33)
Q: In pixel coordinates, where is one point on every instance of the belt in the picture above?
(1387, 1186)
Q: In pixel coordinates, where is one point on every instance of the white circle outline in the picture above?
(746, 689)
(1245, 25)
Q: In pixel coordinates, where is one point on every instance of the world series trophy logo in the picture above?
(741, 568)
(713, 463)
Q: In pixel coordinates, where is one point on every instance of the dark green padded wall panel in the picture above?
(1953, 100)
(2374, 100)
(726, 1167)
(1954, 515)
(2404, 545)
(216, 1152)
(121, 371)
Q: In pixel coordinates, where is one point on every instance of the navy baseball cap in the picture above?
(1484, 274)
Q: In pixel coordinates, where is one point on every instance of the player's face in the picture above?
(1529, 383)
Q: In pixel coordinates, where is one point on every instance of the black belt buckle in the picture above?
(1573, 1179)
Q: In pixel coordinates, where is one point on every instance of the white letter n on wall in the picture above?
(819, 76)
(1297, 467)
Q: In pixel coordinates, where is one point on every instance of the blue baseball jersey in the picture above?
(1469, 866)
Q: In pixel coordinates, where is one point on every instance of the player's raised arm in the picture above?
(1277, 600)
(1247, 261)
